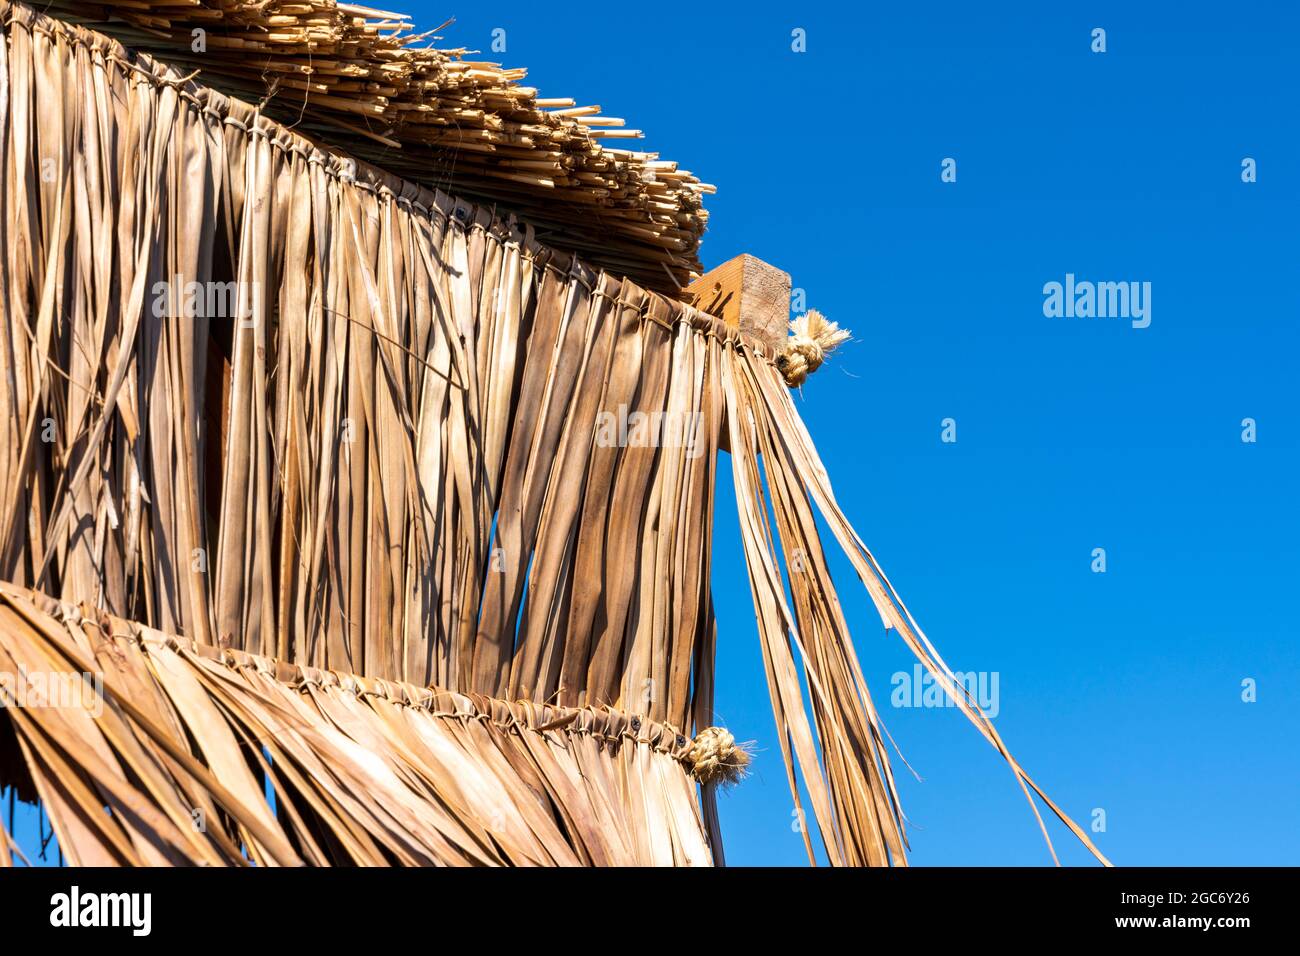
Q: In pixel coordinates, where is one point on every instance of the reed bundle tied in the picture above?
(361, 79)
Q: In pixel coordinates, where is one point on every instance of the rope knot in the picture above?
(812, 339)
(715, 757)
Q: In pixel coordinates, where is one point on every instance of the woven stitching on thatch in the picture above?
(602, 723)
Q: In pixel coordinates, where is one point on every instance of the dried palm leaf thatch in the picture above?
(358, 79)
(203, 756)
(413, 444)
(392, 448)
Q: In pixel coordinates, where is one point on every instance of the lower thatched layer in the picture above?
(203, 755)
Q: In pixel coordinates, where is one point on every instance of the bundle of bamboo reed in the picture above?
(357, 78)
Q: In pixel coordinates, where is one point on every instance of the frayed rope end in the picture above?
(715, 757)
(812, 339)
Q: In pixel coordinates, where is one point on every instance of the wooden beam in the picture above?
(748, 294)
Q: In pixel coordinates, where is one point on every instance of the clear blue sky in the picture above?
(1119, 691)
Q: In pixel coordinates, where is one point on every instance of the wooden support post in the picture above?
(748, 294)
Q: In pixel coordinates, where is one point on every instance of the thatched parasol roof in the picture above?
(263, 399)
